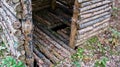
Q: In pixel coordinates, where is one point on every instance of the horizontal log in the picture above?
(90, 3)
(84, 16)
(94, 5)
(63, 34)
(79, 42)
(95, 9)
(41, 20)
(81, 1)
(85, 30)
(104, 25)
(94, 17)
(94, 21)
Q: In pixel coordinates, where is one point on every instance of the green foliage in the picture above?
(101, 63)
(77, 64)
(115, 8)
(2, 49)
(11, 62)
(115, 11)
(115, 33)
(92, 40)
(115, 37)
(77, 57)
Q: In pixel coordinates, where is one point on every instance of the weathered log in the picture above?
(39, 61)
(89, 3)
(73, 25)
(62, 43)
(62, 34)
(93, 34)
(40, 55)
(85, 30)
(94, 21)
(94, 5)
(51, 33)
(27, 27)
(57, 40)
(52, 48)
(41, 20)
(95, 9)
(54, 42)
(104, 25)
(94, 17)
(84, 16)
(81, 1)
(47, 53)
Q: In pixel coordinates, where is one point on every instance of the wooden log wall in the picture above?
(16, 26)
(93, 18)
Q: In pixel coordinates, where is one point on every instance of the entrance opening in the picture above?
(52, 26)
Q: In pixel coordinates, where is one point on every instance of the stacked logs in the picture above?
(54, 50)
(94, 16)
(51, 36)
(15, 19)
(11, 26)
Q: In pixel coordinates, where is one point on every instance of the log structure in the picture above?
(16, 27)
(49, 30)
(68, 24)
(93, 18)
